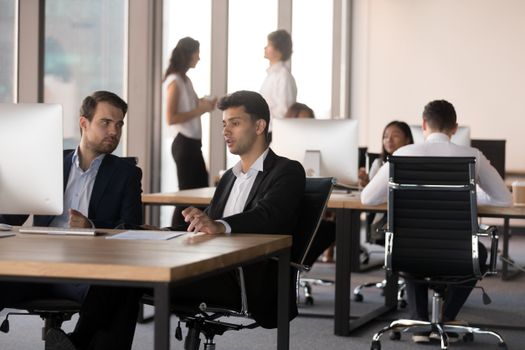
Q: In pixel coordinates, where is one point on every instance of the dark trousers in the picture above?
(454, 298)
(109, 314)
(191, 169)
(15, 292)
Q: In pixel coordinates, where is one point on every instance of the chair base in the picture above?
(306, 284)
(209, 327)
(398, 326)
(401, 289)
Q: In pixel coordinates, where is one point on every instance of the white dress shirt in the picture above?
(188, 101)
(491, 187)
(78, 189)
(279, 90)
(241, 188)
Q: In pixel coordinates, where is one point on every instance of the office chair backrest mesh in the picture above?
(313, 204)
(433, 226)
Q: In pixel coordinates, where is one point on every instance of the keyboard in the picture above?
(59, 231)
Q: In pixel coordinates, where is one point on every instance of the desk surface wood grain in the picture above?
(126, 260)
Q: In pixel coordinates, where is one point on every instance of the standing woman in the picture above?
(279, 88)
(183, 112)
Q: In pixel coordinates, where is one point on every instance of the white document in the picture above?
(147, 235)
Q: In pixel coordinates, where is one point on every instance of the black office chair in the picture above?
(207, 319)
(54, 311)
(432, 236)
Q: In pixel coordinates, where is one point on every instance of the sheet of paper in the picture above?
(147, 235)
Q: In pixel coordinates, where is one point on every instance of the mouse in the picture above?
(5, 227)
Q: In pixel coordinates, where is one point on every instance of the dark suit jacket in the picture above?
(272, 207)
(115, 198)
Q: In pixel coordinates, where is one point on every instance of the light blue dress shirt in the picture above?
(78, 190)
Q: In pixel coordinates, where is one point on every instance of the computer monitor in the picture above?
(325, 147)
(31, 159)
(461, 137)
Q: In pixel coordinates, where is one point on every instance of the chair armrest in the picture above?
(491, 231)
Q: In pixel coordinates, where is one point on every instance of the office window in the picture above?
(312, 22)
(249, 23)
(85, 51)
(7, 49)
(181, 19)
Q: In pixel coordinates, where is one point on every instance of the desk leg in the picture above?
(505, 251)
(162, 316)
(283, 302)
(346, 223)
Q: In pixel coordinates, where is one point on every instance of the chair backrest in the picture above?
(370, 158)
(313, 204)
(494, 150)
(432, 217)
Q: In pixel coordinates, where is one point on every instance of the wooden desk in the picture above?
(348, 208)
(152, 264)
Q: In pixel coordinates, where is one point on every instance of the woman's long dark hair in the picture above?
(401, 126)
(181, 56)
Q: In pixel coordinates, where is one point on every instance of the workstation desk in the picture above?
(348, 208)
(144, 263)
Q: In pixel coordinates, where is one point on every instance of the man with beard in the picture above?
(100, 190)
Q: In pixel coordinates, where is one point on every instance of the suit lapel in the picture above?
(267, 165)
(105, 172)
(217, 210)
(68, 160)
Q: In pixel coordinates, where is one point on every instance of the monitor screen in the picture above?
(461, 137)
(31, 159)
(332, 144)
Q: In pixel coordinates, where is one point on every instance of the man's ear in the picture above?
(454, 129)
(260, 126)
(83, 122)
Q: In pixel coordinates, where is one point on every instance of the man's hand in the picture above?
(77, 220)
(200, 222)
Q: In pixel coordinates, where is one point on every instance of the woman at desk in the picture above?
(395, 135)
(183, 112)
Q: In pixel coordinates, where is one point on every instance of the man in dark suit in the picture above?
(100, 189)
(260, 194)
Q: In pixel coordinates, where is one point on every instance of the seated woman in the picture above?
(395, 135)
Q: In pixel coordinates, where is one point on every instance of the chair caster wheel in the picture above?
(358, 297)
(376, 345)
(309, 301)
(468, 337)
(395, 335)
(502, 346)
(402, 304)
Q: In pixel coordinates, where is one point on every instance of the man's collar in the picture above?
(437, 137)
(95, 164)
(257, 166)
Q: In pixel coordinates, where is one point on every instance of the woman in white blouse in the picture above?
(395, 135)
(279, 88)
(183, 112)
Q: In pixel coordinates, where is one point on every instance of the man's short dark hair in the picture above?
(89, 104)
(440, 115)
(282, 41)
(254, 104)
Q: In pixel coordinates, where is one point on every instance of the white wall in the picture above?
(469, 52)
